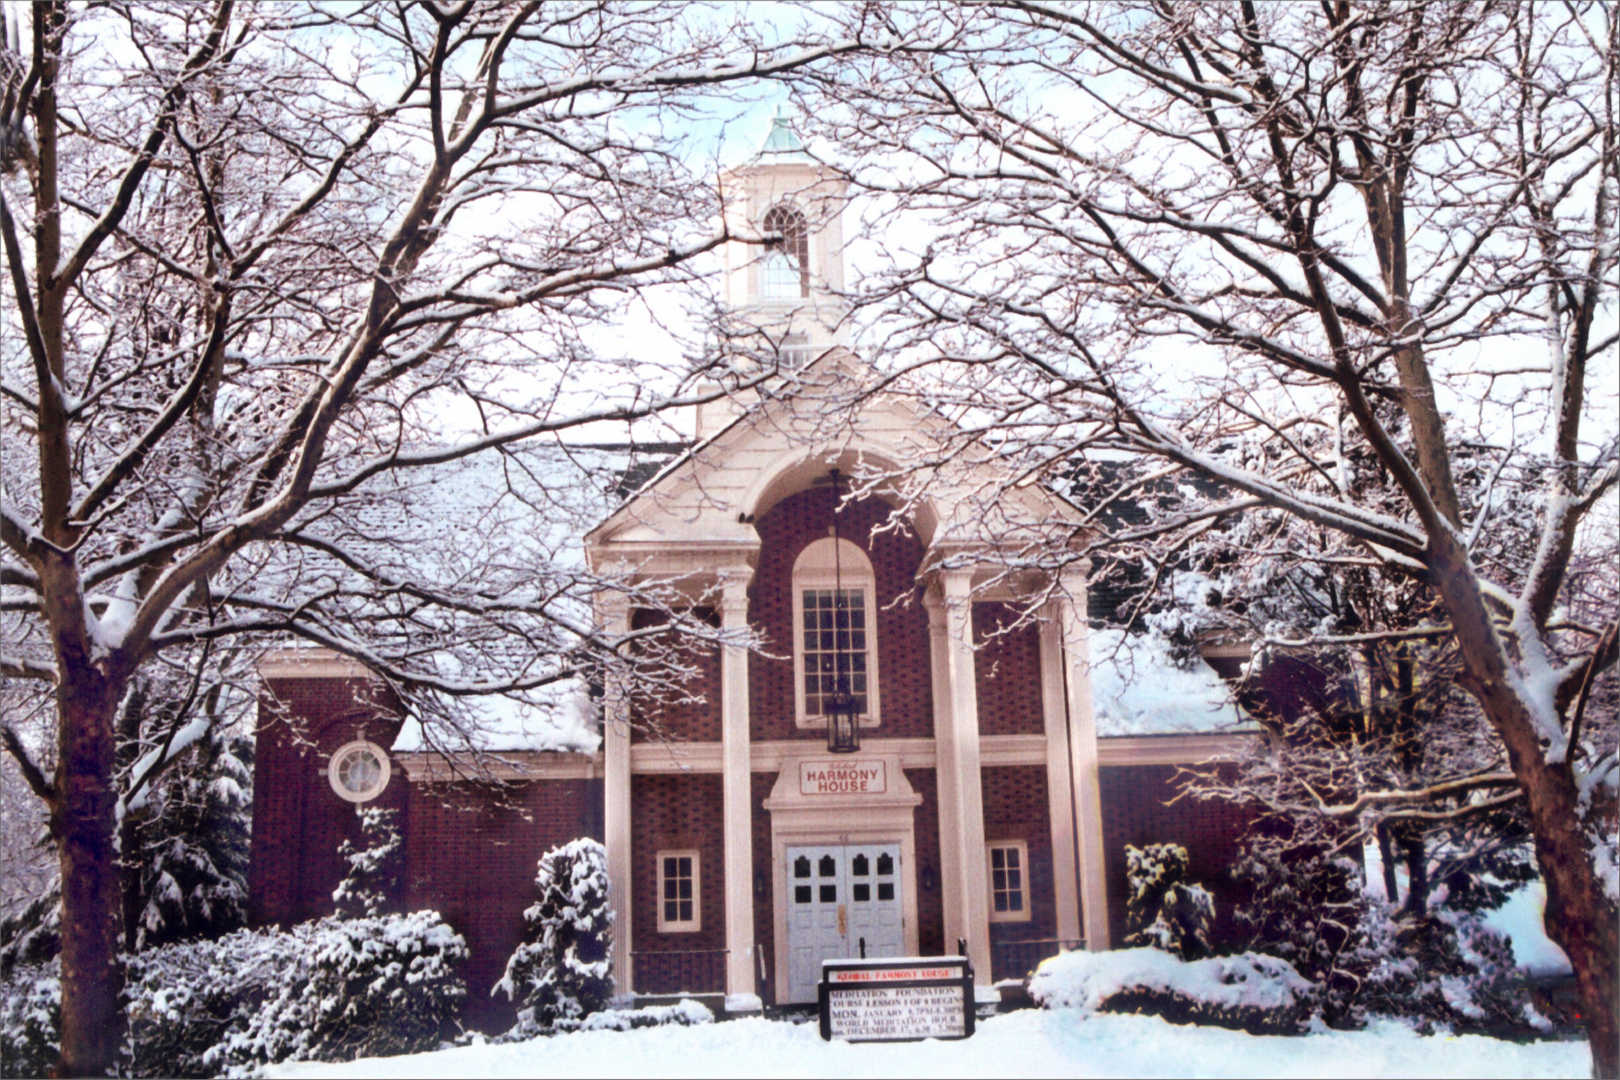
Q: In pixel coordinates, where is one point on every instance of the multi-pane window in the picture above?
(1009, 880)
(786, 266)
(835, 640)
(678, 892)
(833, 625)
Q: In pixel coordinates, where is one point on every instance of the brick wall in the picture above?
(1134, 812)
(677, 812)
(471, 855)
(1007, 664)
(298, 820)
(764, 912)
(691, 711)
(904, 682)
(930, 902)
(1015, 808)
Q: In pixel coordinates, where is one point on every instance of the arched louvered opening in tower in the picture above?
(786, 268)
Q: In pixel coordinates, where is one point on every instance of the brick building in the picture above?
(846, 526)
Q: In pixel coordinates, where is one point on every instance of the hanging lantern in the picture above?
(843, 722)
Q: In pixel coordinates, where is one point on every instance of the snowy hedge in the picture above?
(1249, 992)
(333, 989)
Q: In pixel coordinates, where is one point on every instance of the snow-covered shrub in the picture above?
(1446, 969)
(30, 1019)
(364, 987)
(684, 1013)
(32, 936)
(185, 998)
(560, 972)
(188, 838)
(1306, 910)
(1163, 909)
(1442, 968)
(369, 886)
(1249, 992)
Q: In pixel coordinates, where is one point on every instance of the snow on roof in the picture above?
(561, 716)
(1139, 688)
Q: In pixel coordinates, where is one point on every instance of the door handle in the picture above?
(843, 927)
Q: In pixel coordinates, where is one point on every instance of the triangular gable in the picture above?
(834, 408)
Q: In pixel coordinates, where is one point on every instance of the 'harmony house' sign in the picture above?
(896, 998)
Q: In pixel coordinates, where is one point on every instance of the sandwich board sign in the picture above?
(896, 999)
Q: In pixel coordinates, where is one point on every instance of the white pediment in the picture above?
(955, 491)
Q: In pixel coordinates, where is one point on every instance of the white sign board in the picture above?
(894, 998)
(831, 777)
(876, 1013)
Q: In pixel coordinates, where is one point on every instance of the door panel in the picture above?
(838, 894)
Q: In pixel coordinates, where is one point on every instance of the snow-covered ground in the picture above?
(1033, 1042)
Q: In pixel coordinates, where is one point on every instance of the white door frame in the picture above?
(800, 819)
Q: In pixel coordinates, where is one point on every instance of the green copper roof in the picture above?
(781, 140)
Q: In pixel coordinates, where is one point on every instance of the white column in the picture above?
(1059, 791)
(947, 791)
(972, 879)
(1083, 759)
(614, 614)
(736, 793)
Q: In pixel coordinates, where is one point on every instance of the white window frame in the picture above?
(1020, 914)
(681, 926)
(335, 769)
(814, 569)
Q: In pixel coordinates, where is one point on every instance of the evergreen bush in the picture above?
(1162, 908)
(371, 884)
(560, 972)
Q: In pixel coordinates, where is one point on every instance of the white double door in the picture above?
(839, 897)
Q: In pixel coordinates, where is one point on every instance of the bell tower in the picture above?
(784, 263)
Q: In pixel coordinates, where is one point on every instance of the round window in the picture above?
(358, 771)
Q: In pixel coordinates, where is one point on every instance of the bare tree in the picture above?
(1257, 242)
(254, 256)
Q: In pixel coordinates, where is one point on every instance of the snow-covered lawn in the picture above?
(1033, 1042)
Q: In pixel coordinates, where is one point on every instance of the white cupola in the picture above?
(784, 267)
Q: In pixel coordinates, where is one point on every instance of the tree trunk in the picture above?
(1579, 916)
(92, 980)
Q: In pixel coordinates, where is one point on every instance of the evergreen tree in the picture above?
(1163, 909)
(187, 847)
(560, 973)
(371, 885)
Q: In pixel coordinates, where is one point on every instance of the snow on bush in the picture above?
(1442, 969)
(560, 972)
(372, 880)
(1162, 909)
(30, 1019)
(363, 988)
(1249, 992)
(684, 1013)
(332, 989)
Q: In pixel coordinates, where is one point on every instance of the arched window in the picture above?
(785, 269)
(835, 631)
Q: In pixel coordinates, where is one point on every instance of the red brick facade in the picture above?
(1015, 808)
(1136, 810)
(905, 683)
(471, 852)
(298, 820)
(675, 812)
(1008, 667)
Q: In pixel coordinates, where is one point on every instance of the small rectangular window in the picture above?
(1009, 880)
(679, 905)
